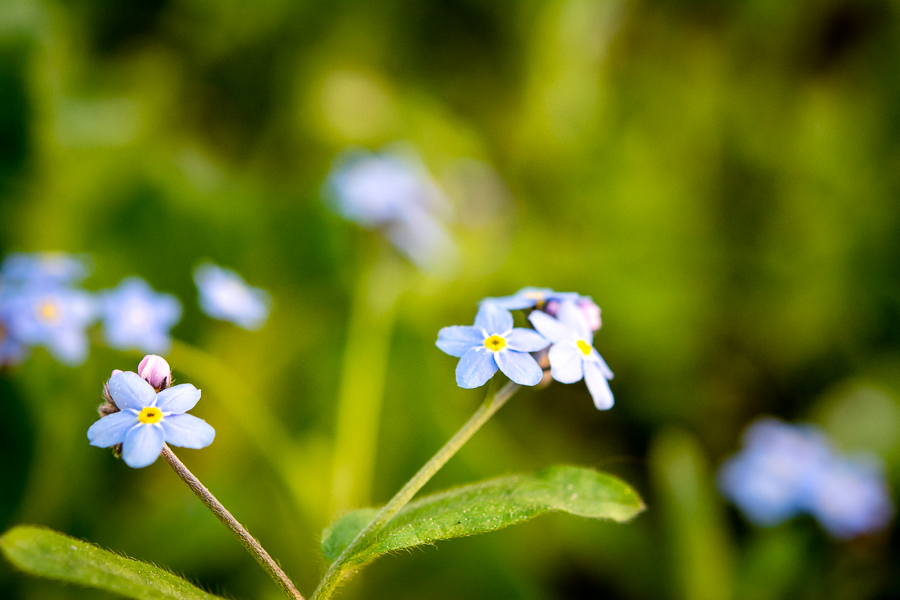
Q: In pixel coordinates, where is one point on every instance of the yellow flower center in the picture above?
(534, 296)
(150, 414)
(48, 311)
(495, 343)
(584, 347)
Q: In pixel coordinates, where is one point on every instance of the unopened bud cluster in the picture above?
(153, 369)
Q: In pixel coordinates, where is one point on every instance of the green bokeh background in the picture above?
(722, 177)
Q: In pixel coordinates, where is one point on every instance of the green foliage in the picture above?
(50, 554)
(487, 506)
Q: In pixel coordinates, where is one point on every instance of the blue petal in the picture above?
(519, 367)
(604, 368)
(566, 363)
(475, 367)
(187, 431)
(457, 339)
(493, 318)
(570, 315)
(69, 346)
(598, 386)
(130, 391)
(178, 399)
(511, 302)
(111, 429)
(142, 445)
(549, 327)
(526, 340)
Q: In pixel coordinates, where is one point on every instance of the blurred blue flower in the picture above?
(490, 344)
(530, 297)
(394, 193)
(775, 475)
(136, 317)
(572, 355)
(20, 268)
(146, 420)
(785, 470)
(852, 498)
(54, 317)
(225, 296)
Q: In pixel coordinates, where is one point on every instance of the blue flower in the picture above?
(394, 193)
(776, 474)
(136, 317)
(12, 351)
(530, 297)
(852, 498)
(146, 420)
(491, 344)
(225, 296)
(54, 317)
(42, 268)
(785, 470)
(572, 355)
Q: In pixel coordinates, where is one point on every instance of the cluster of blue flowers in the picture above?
(563, 336)
(43, 304)
(786, 470)
(142, 412)
(393, 192)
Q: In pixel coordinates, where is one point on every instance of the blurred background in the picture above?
(721, 177)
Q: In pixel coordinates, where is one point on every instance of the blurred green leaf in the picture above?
(487, 506)
(50, 554)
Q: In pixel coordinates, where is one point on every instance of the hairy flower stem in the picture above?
(249, 542)
(338, 569)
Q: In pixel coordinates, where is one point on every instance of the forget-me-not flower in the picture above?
(572, 355)
(59, 268)
(394, 193)
(224, 295)
(530, 297)
(785, 470)
(54, 317)
(490, 344)
(146, 420)
(136, 317)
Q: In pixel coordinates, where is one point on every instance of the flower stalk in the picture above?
(249, 542)
(492, 403)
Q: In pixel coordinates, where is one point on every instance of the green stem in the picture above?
(338, 569)
(249, 542)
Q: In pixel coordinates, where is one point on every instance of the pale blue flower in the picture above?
(136, 317)
(225, 296)
(393, 192)
(531, 297)
(852, 498)
(572, 355)
(776, 474)
(54, 317)
(146, 420)
(12, 351)
(59, 268)
(490, 344)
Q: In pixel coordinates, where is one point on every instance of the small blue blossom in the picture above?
(572, 355)
(393, 192)
(531, 297)
(146, 420)
(775, 476)
(137, 318)
(786, 470)
(490, 344)
(19, 268)
(54, 317)
(224, 295)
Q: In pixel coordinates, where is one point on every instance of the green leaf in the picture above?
(50, 554)
(486, 506)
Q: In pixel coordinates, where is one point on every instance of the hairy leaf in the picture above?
(484, 507)
(50, 554)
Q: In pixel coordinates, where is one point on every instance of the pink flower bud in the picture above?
(591, 312)
(155, 371)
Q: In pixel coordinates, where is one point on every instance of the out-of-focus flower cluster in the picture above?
(43, 304)
(786, 470)
(393, 192)
(563, 337)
